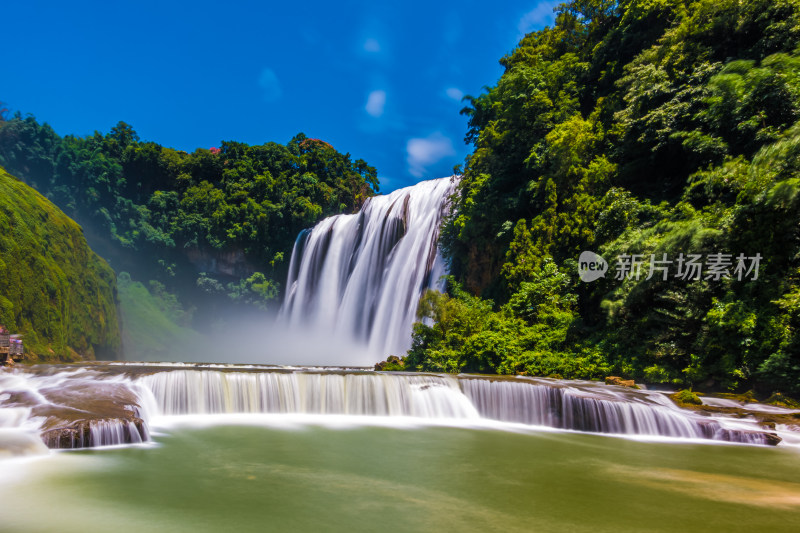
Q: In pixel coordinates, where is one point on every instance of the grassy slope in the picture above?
(149, 333)
(53, 288)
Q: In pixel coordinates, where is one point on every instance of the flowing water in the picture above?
(116, 403)
(250, 448)
(361, 276)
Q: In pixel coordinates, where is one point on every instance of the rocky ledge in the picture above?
(741, 406)
(81, 413)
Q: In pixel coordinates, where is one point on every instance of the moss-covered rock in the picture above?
(686, 397)
(782, 401)
(392, 363)
(53, 288)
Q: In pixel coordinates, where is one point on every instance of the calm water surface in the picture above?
(376, 478)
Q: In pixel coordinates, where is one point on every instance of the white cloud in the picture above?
(375, 103)
(455, 94)
(270, 87)
(542, 15)
(372, 45)
(423, 152)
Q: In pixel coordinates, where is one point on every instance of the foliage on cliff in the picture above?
(232, 213)
(632, 127)
(53, 288)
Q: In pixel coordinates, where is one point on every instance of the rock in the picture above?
(780, 400)
(82, 413)
(392, 363)
(95, 432)
(684, 397)
(616, 380)
(772, 439)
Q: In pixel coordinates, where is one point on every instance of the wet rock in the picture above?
(616, 380)
(81, 412)
(780, 400)
(768, 420)
(92, 433)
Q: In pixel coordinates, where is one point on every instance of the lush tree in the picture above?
(637, 127)
(164, 215)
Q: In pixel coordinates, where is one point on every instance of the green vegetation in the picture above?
(782, 401)
(631, 127)
(216, 227)
(53, 288)
(392, 364)
(154, 324)
(686, 396)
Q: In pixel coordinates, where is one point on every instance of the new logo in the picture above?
(591, 266)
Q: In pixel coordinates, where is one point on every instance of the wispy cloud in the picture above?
(455, 94)
(372, 45)
(375, 103)
(540, 16)
(268, 81)
(426, 151)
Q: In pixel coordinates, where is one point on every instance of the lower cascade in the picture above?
(115, 404)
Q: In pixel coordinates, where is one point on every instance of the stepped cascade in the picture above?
(133, 397)
(361, 275)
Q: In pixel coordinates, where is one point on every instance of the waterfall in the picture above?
(201, 392)
(94, 433)
(115, 403)
(594, 409)
(361, 276)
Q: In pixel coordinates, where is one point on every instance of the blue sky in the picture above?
(381, 81)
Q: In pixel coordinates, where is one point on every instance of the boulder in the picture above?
(616, 380)
(82, 413)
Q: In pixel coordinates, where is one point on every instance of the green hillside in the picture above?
(53, 288)
(216, 227)
(639, 129)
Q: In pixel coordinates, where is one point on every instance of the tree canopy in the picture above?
(214, 224)
(643, 127)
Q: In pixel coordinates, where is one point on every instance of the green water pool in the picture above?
(232, 477)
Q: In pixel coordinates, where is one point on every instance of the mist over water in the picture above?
(251, 339)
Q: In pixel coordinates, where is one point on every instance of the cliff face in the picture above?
(53, 288)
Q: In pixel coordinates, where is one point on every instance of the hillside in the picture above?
(215, 227)
(651, 133)
(53, 288)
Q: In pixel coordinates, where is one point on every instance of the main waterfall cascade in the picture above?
(361, 276)
(57, 406)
